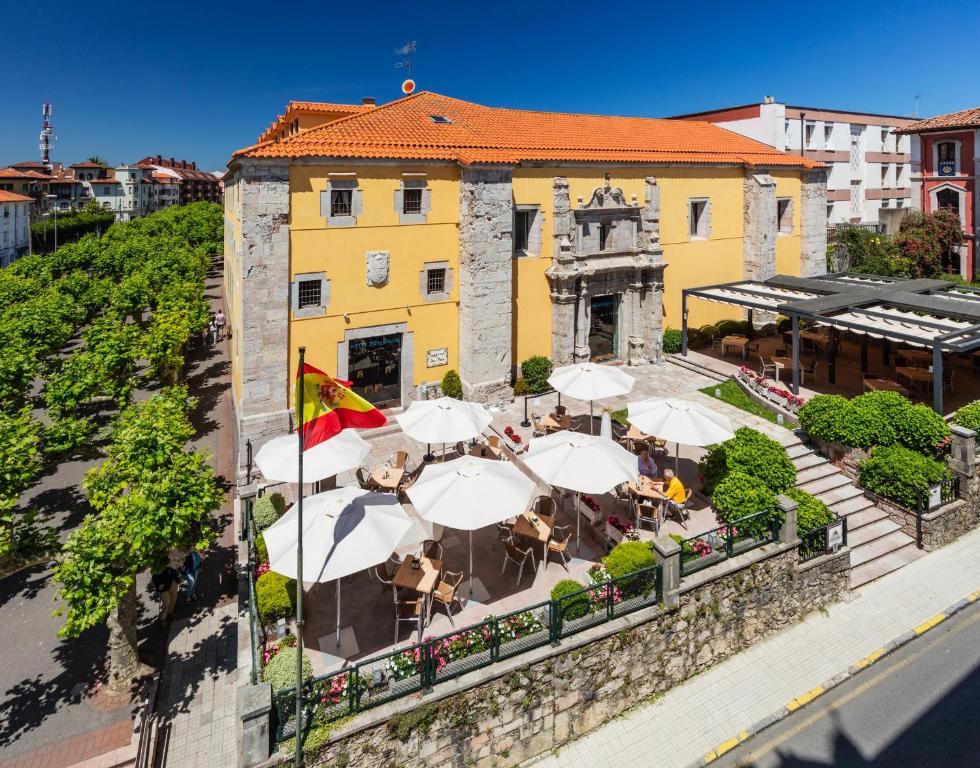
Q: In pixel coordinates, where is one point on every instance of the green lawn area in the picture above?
(733, 394)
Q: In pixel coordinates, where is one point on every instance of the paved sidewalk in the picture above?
(692, 719)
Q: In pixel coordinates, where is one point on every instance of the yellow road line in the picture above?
(870, 659)
(927, 625)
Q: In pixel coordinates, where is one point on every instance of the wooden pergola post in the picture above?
(937, 378)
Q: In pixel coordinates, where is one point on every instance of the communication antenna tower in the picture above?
(46, 135)
(406, 52)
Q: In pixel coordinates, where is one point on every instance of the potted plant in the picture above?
(617, 529)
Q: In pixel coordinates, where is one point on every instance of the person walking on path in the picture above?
(166, 582)
(212, 331)
(192, 568)
(220, 320)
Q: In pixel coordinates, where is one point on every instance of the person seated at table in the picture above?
(674, 489)
(646, 465)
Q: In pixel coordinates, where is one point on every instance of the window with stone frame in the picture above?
(309, 295)
(526, 238)
(310, 292)
(699, 218)
(412, 200)
(784, 215)
(948, 200)
(522, 229)
(341, 202)
(435, 281)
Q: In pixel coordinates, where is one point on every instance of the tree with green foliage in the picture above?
(968, 416)
(150, 496)
(535, 372)
(20, 463)
(98, 160)
(750, 452)
(928, 241)
(452, 386)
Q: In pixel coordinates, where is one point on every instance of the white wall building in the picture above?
(15, 226)
(137, 195)
(869, 164)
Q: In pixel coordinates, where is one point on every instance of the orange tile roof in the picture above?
(11, 173)
(965, 118)
(321, 106)
(13, 197)
(86, 164)
(404, 129)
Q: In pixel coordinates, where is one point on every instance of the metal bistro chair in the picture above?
(680, 507)
(504, 533)
(364, 479)
(519, 557)
(399, 459)
(544, 506)
(432, 549)
(409, 611)
(648, 514)
(766, 369)
(558, 545)
(445, 594)
(808, 370)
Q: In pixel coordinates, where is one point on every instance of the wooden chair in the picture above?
(364, 479)
(648, 513)
(445, 594)
(558, 545)
(409, 611)
(566, 421)
(560, 410)
(544, 506)
(538, 429)
(399, 460)
(504, 533)
(432, 549)
(808, 370)
(519, 557)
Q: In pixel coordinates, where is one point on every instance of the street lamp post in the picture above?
(55, 197)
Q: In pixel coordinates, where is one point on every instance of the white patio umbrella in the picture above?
(469, 493)
(278, 459)
(680, 421)
(421, 531)
(591, 381)
(580, 463)
(443, 420)
(344, 531)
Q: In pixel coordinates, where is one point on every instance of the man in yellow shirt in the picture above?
(675, 490)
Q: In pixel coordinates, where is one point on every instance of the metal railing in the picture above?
(813, 543)
(253, 610)
(527, 421)
(728, 540)
(947, 492)
(404, 671)
(843, 227)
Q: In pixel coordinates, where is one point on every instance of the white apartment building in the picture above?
(15, 226)
(137, 193)
(869, 164)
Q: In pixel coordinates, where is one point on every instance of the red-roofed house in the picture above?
(945, 169)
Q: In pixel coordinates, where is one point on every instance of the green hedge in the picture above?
(872, 419)
(810, 511)
(571, 607)
(276, 597)
(627, 557)
(672, 341)
(900, 474)
(452, 386)
(261, 550)
(739, 495)
(752, 453)
(264, 513)
(70, 226)
(280, 672)
(535, 372)
(968, 416)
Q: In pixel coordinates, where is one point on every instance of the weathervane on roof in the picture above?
(406, 51)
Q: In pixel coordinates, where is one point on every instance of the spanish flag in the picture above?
(329, 407)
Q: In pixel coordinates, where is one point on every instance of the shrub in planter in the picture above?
(535, 371)
(754, 454)
(921, 429)
(571, 607)
(628, 556)
(264, 513)
(728, 327)
(900, 474)
(280, 672)
(521, 388)
(872, 418)
(694, 339)
(810, 511)
(825, 417)
(672, 341)
(739, 495)
(708, 332)
(278, 502)
(452, 385)
(968, 416)
(275, 596)
(261, 550)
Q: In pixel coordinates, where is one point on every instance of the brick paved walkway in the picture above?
(692, 719)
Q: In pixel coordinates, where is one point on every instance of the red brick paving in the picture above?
(67, 752)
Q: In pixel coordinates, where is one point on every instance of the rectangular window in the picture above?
(784, 216)
(828, 131)
(698, 218)
(884, 174)
(809, 133)
(309, 293)
(604, 230)
(412, 201)
(522, 229)
(436, 281)
(341, 202)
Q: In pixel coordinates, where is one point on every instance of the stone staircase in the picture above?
(717, 370)
(877, 544)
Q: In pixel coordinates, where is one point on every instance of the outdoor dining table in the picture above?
(423, 579)
(784, 362)
(817, 340)
(884, 385)
(540, 531)
(915, 358)
(915, 377)
(387, 478)
(739, 342)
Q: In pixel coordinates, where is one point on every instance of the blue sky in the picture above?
(199, 80)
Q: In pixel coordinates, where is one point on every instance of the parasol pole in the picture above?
(471, 565)
(338, 614)
(578, 521)
(299, 562)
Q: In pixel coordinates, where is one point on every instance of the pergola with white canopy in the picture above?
(936, 314)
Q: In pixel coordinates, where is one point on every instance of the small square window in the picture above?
(436, 281)
(522, 229)
(309, 293)
(605, 229)
(341, 202)
(412, 201)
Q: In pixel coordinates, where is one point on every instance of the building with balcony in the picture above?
(194, 185)
(15, 226)
(431, 234)
(945, 167)
(868, 159)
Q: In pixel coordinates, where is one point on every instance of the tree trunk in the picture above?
(124, 663)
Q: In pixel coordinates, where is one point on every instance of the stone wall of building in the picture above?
(485, 283)
(813, 223)
(759, 226)
(264, 280)
(525, 706)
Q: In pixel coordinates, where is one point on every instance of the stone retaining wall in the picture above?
(526, 706)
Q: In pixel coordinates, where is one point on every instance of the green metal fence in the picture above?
(725, 541)
(814, 543)
(253, 612)
(419, 667)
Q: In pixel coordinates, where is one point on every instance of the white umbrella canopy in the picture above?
(680, 421)
(591, 381)
(278, 459)
(420, 532)
(443, 420)
(580, 463)
(469, 493)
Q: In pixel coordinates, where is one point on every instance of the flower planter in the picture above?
(613, 533)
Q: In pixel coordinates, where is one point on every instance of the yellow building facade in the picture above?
(391, 270)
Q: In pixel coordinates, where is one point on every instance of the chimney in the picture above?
(368, 101)
(768, 100)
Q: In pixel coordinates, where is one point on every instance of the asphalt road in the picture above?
(918, 707)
